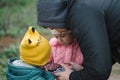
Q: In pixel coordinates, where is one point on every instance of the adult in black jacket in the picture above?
(96, 26)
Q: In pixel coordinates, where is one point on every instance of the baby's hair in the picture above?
(61, 28)
(68, 28)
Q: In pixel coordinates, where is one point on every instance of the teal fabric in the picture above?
(25, 73)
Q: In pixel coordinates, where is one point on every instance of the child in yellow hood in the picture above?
(34, 54)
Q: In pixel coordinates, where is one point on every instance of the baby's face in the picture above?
(64, 36)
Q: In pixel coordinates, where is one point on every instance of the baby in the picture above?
(34, 54)
(65, 49)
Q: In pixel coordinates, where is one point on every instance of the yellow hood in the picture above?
(34, 48)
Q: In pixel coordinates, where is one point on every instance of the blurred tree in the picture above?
(7, 8)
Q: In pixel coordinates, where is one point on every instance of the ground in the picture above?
(115, 75)
(7, 40)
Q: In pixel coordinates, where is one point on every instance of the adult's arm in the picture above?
(89, 28)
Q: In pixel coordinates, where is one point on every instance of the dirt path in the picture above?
(6, 41)
(115, 75)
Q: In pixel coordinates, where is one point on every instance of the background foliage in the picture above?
(15, 17)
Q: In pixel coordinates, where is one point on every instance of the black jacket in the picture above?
(96, 26)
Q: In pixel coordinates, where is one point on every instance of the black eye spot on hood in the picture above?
(29, 41)
(33, 29)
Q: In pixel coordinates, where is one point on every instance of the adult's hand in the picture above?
(75, 66)
(65, 74)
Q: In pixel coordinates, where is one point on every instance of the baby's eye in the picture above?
(56, 36)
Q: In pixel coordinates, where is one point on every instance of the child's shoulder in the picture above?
(53, 41)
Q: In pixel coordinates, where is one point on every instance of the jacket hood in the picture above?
(52, 13)
(26, 73)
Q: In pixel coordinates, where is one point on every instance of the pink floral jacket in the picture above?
(63, 54)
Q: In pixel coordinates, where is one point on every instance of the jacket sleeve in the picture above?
(90, 30)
